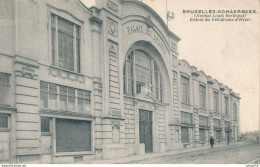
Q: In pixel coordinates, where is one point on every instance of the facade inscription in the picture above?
(138, 28)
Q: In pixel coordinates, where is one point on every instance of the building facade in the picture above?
(81, 83)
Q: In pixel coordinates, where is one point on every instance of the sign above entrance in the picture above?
(141, 28)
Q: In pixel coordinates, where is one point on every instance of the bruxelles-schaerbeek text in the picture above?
(220, 15)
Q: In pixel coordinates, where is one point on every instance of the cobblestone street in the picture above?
(235, 154)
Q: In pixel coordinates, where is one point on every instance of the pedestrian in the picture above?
(211, 141)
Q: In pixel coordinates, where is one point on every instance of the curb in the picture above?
(136, 158)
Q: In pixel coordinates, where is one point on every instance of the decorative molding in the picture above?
(26, 70)
(112, 48)
(148, 22)
(116, 124)
(173, 45)
(235, 95)
(196, 110)
(147, 96)
(58, 11)
(211, 114)
(210, 82)
(174, 74)
(95, 20)
(116, 113)
(216, 114)
(112, 27)
(177, 121)
(66, 75)
(187, 106)
(99, 86)
(174, 61)
(112, 6)
(7, 107)
(195, 73)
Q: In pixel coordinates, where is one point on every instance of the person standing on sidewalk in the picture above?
(211, 140)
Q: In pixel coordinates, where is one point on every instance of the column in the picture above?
(97, 82)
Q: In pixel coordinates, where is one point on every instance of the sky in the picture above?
(227, 51)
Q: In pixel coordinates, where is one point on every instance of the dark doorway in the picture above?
(184, 134)
(145, 129)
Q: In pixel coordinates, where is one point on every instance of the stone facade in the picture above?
(65, 65)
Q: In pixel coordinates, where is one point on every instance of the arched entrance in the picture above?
(146, 87)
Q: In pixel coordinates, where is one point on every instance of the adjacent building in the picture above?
(80, 83)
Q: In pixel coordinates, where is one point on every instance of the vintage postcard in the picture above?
(129, 82)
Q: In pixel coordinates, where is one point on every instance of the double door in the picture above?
(145, 129)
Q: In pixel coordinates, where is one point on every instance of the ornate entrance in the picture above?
(145, 129)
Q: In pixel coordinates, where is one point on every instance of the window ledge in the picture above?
(5, 85)
(204, 127)
(7, 107)
(4, 130)
(46, 134)
(187, 125)
(73, 153)
(113, 117)
(65, 113)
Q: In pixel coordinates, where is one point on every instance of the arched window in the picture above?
(140, 70)
(235, 112)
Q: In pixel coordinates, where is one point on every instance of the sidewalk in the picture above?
(133, 158)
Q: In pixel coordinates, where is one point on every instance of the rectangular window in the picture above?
(44, 94)
(203, 121)
(4, 79)
(202, 134)
(45, 125)
(3, 121)
(73, 135)
(218, 134)
(63, 98)
(202, 96)
(53, 96)
(216, 103)
(226, 106)
(84, 101)
(185, 89)
(4, 89)
(65, 41)
(217, 123)
(186, 118)
(184, 134)
(67, 98)
(227, 125)
(71, 99)
(158, 83)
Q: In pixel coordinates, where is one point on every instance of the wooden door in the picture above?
(46, 140)
(46, 147)
(145, 129)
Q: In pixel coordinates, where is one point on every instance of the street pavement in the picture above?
(239, 153)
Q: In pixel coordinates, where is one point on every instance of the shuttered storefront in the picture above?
(73, 135)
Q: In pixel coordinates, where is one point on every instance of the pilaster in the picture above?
(27, 96)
